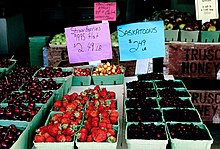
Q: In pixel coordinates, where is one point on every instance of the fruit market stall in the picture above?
(114, 114)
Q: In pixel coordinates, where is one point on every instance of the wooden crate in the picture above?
(193, 60)
(207, 103)
(206, 97)
(56, 54)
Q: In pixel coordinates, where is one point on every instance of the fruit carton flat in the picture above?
(143, 115)
(59, 92)
(209, 36)
(54, 145)
(81, 80)
(141, 103)
(32, 125)
(189, 36)
(176, 102)
(8, 69)
(177, 84)
(46, 105)
(173, 92)
(99, 145)
(181, 115)
(151, 142)
(67, 80)
(111, 79)
(22, 141)
(193, 138)
(141, 93)
(150, 76)
(140, 84)
(171, 35)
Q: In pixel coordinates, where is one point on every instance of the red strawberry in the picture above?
(54, 130)
(103, 114)
(60, 138)
(70, 107)
(89, 138)
(69, 139)
(113, 105)
(85, 98)
(67, 114)
(99, 135)
(57, 103)
(97, 87)
(39, 138)
(110, 132)
(50, 139)
(57, 117)
(103, 93)
(113, 119)
(66, 97)
(82, 137)
(111, 95)
(73, 95)
(65, 103)
(65, 120)
(78, 114)
(46, 135)
(42, 129)
(70, 131)
(61, 109)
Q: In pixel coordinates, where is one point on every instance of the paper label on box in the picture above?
(206, 9)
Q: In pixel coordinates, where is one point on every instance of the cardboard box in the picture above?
(192, 60)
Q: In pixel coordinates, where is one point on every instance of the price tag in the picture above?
(88, 43)
(141, 40)
(206, 9)
(105, 11)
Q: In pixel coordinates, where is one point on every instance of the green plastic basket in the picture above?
(191, 144)
(189, 36)
(153, 120)
(108, 80)
(136, 100)
(171, 35)
(185, 91)
(46, 107)
(54, 145)
(22, 141)
(180, 116)
(145, 144)
(140, 84)
(66, 80)
(178, 84)
(209, 36)
(150, 92)
(186, 99)
(99, 145)
(82, 80)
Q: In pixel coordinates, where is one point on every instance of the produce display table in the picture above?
(121, 95)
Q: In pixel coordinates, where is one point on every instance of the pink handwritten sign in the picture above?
(88, 43)
(105, 11)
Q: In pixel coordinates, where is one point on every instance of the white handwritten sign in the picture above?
(206, 9)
